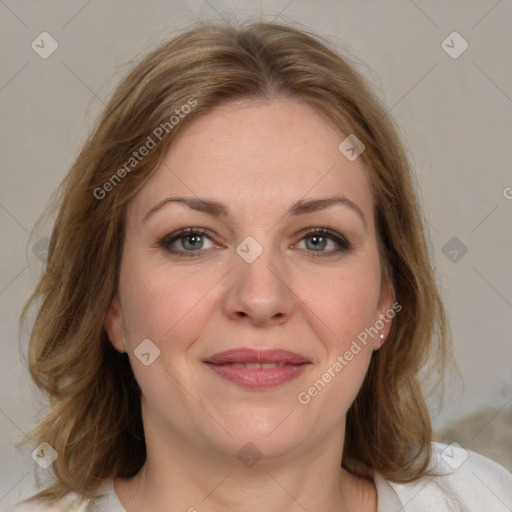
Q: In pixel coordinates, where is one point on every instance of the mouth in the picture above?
(256, 366)
(255, 369)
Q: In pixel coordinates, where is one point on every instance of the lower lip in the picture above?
(259, 378)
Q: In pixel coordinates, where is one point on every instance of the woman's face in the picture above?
(255, 182)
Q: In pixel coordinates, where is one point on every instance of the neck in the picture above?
(180, 475)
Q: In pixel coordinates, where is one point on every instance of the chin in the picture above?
(267, 433)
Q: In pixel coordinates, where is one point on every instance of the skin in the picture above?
(258, 158)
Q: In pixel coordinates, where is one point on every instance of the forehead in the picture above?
(264, 152)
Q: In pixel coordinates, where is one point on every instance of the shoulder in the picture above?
(41, 507)
(458, 480)
(106, 501)
(71, 504)
(74, 503)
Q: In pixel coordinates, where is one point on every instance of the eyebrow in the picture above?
(217, 209)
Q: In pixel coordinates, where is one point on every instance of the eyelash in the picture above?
(165, 242)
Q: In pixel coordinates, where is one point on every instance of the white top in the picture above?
(464, 482)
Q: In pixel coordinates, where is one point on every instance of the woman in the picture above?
(238, 297)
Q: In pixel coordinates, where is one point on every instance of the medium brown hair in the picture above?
(93, 419)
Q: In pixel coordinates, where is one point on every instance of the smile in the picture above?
(253, 369)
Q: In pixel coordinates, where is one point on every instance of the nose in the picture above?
(259, 292)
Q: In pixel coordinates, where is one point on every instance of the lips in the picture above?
(244, 356)
(256, 369)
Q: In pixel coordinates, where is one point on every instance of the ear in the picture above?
(114, 325)
(386, 311)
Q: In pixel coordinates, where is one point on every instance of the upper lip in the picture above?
(247, 355)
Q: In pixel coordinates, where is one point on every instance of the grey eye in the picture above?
(191, 242)
(316, 243)
(187, 242)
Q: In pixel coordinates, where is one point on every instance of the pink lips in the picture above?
(256, 369)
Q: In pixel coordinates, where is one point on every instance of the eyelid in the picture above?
(179, 233)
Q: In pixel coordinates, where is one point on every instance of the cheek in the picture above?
(344, 302)
(167, 307)
(347, 307)
(162, 303)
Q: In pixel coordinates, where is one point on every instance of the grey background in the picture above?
(455, 116)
